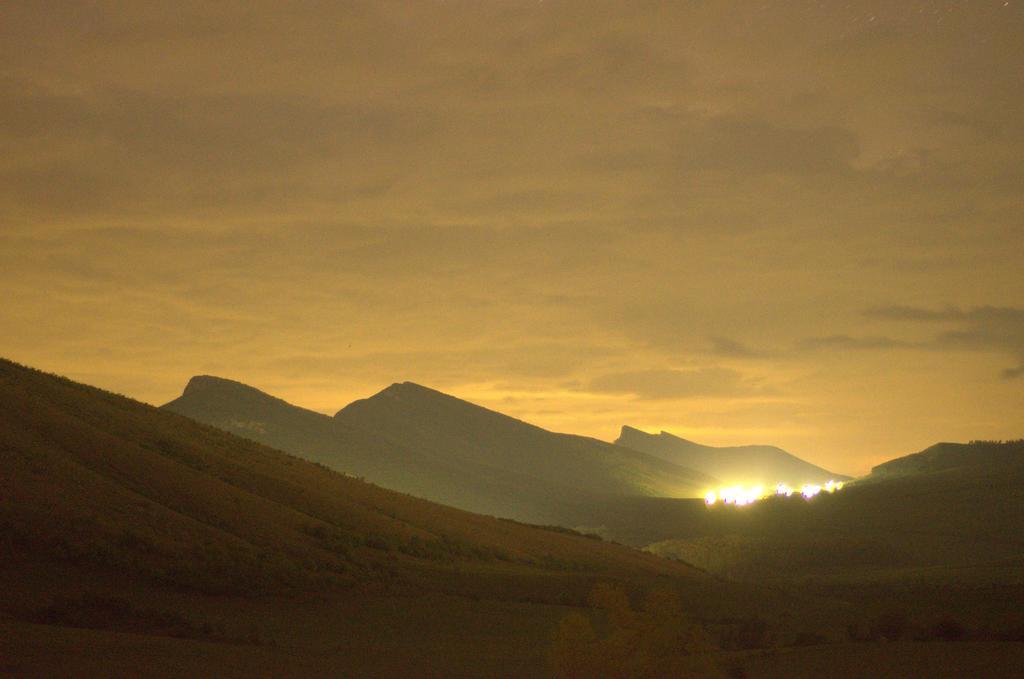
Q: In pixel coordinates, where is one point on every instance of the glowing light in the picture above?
(735, 495)
(740, 496)
(809, 490)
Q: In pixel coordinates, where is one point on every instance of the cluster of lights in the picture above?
(735, 495)
(740, 495)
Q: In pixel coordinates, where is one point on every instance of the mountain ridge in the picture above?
(765, 465)
(947, 456)
(414, 439)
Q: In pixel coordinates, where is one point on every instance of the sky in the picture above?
(797, 223)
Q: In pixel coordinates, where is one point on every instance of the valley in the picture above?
(123, 522)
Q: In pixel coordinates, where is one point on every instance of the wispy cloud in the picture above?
(730, 348)
(677, 384)
(983, 328)
(854, 343)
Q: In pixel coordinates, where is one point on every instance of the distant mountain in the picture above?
(749, 465)
(426, 443)
(950, 456)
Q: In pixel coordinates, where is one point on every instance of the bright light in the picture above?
(741, 496)
(809, 490)
(735, 495)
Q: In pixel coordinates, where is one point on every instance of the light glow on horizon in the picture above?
(741, 496)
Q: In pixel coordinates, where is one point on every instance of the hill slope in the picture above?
(748, 465)
(976, 456)
(100, 477)
(182, 549)
(953, 511)
(423, 442)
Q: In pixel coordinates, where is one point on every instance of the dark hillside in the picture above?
(101, 478)
(976, 455)
(958, 515)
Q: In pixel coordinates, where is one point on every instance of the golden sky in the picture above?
(797, 223)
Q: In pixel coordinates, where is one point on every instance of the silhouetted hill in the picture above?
(425, 443)
(414, 415)
(951, 512)
(946, 456)
(749, 465)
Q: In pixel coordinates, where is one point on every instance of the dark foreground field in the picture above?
(427, 635)
(905, 660)
(384, 636)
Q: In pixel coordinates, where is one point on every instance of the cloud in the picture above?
(1013, 373)
(848, 342)
(729, 348)
(757, 146)
(675, 384)
(910, 313)
(114, 151)
(519, 194)
(983, 328)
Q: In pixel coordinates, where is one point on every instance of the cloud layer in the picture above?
(798, 224)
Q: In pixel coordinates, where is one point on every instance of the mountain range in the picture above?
(137, 537)
(747, 465)
(423, 442)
